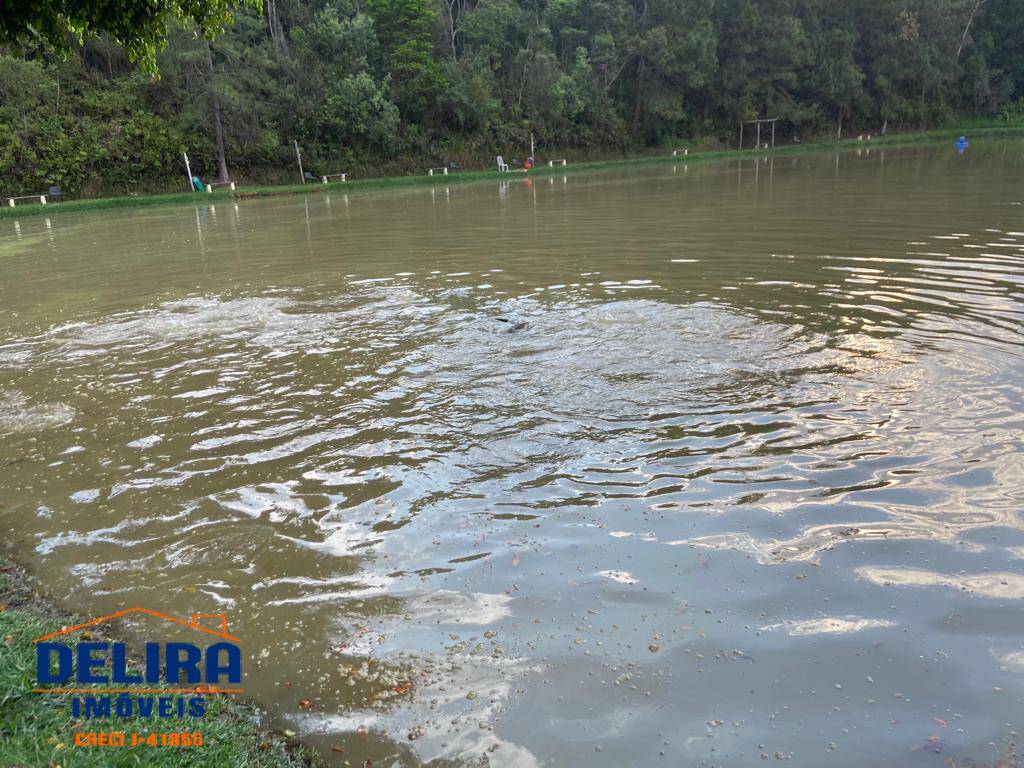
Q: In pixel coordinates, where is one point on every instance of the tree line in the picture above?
(392, 86)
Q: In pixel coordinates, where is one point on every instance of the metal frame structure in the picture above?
(758, 122)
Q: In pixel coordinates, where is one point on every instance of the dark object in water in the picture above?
(513, 325)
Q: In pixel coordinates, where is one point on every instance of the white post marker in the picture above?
(298, 156)
(188, 170)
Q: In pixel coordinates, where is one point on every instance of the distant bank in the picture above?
(462, 177)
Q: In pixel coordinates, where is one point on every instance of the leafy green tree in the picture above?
(141, 27)
(356, 112)
(405, 29)
(837, 78)
(472, 100)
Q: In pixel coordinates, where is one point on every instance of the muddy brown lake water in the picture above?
(747, 484)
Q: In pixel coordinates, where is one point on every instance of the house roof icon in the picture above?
(192, 623)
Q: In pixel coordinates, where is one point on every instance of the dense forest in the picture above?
(391, 86)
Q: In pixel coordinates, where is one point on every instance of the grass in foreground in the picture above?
(38, 730)
(973, 128)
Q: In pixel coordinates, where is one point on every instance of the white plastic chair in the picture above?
(502, 165)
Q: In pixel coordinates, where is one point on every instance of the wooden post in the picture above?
(188, 171)
(773, 133)
(758, 134)
(298, 156)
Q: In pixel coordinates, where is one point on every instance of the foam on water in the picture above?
(19, 414)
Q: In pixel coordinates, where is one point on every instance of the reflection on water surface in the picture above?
(741, 477)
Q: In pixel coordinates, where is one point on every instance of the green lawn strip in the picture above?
(396, 182)
(972, 128)
(99, 203)
(38, 729)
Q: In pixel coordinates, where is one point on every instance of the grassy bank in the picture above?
(38, 729)
(974, 130)
(133, 201)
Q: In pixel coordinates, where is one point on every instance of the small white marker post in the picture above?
(298, 156)
(188, 170)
